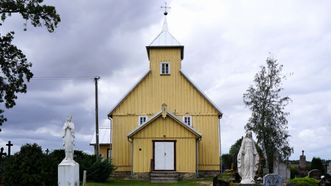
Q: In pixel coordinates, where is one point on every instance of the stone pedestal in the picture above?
(68, 173)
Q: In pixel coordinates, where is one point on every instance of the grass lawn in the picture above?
(147, 183)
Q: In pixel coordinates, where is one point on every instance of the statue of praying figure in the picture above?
(69, 137)
(247, 159)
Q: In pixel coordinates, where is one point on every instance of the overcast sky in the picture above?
(225, 44)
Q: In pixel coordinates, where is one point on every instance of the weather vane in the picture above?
(165, 7)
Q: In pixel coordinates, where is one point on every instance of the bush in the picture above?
(84, 160)
(100, 171)
(25, 167)
(32, 167)
(306, 181)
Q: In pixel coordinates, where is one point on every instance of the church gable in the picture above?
(164, 125)
(176, 90)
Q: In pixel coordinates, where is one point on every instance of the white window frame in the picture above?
(190, 119)
(139, 120)
(167, 71)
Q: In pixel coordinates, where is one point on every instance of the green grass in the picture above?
(147, 183)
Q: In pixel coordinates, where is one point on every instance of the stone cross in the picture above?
(2, 153)
(9, 144)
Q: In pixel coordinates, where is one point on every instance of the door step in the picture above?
(164, 177)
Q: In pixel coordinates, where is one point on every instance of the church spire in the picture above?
(165, 13)
(165, 39)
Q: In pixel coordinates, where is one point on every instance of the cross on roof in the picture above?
(165, 7)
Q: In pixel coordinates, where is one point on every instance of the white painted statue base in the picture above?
(247, 181)
(68, 173)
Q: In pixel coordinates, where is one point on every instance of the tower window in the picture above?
(188, 120)
(142, 120)
(164, 68)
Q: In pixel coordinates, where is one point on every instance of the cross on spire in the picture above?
(165, 7)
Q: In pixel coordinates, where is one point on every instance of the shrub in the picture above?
(100, 171)
(25, 167)
(32, 167)
(305, 181)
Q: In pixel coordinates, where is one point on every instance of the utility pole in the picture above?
(97, 146)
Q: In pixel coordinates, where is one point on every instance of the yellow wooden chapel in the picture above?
(165, 122)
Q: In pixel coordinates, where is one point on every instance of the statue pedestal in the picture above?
(68, 173)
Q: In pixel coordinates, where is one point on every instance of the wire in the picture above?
(61, 77)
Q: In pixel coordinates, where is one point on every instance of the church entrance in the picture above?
(164, 155)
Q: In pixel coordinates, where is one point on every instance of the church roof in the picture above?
(104, 136)
(159, 114)
(165, 38)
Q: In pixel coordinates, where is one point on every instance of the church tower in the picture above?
(165, 53)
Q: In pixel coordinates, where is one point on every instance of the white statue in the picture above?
(248, 159)
(69, 137)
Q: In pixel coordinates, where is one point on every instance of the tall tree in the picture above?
(268, 119)
(14, 67)
(317, 163)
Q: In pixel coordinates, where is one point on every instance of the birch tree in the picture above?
(268, 119)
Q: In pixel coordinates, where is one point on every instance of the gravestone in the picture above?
(281, 168)
(272, 180)
(315, 173)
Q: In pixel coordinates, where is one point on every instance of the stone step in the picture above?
(163, 177)
(163, 180)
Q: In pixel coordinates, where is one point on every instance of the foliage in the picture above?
(84, 160)
(148, 183)
(227, 176)
(14, 67)
(306, 181)
(234, 150)
(25, 167)
(268, 120)
(316, 163)
(294, 171)
(100, 170)
(226, 160)
(31, 166)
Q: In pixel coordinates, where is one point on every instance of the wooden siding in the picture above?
(164, 129)
(103, 150)
(180, 96)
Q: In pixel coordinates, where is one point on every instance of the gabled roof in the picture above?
(202, 94)
(104, 137)
(159, 114)
(182, 73)
(127, 94)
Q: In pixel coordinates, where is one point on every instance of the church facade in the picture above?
(165, 122)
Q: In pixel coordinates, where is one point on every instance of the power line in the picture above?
(61, 77)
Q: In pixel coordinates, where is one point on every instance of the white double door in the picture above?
(164, 155)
